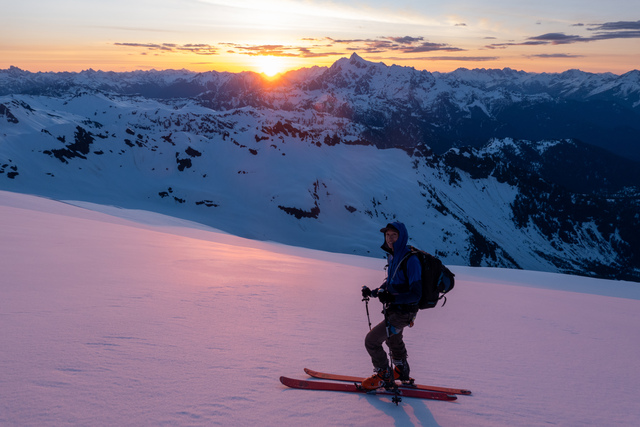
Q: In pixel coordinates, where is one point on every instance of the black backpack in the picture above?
(437, 280)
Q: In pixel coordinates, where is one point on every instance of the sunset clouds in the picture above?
(225, 35)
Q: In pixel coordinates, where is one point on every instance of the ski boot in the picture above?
(380, 378)
(401, 372)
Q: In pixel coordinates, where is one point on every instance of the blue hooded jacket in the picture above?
(406, 290)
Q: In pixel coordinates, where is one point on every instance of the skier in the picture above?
(400, 294)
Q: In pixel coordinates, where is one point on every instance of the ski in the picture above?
(354, 388)
(352, 379)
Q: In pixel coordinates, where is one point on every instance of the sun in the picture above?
(269, 65)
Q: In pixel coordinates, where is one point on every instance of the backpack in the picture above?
(437, 280)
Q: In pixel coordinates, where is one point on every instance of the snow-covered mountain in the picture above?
(486, 167)
(397, 106)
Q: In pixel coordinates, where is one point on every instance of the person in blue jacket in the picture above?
(400, 294)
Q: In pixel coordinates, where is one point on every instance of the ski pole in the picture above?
(366, 305)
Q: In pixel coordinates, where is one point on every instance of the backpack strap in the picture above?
(402, 264)
(404, 261)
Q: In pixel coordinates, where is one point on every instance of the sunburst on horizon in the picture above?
(270, 65)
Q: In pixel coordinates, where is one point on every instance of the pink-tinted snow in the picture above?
(131, 318)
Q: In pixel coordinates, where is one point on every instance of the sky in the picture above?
(273, 36)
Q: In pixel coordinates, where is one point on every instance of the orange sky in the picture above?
(274, 36)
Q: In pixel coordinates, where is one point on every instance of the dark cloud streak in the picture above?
(460, 58)
(616, 26)
(555, 55)
(380, 45)
(198, 49)
(394, 44)
(557, 38)
(606, 31)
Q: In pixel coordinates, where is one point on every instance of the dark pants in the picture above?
(378, 335)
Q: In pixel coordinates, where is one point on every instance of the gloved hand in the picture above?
(366, 292)
(385, 297)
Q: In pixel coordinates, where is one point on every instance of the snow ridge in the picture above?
(325, 156)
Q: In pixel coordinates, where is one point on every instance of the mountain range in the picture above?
(497, 168)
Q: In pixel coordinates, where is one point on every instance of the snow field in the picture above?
(120, 317)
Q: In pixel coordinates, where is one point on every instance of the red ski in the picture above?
(353, 388)
(351, 379)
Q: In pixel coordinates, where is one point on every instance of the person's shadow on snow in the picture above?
(409, 412)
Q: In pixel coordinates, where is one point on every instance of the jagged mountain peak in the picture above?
(633, 75)
(486, 74)
(357, 60)
(355, 65)
(354, 60)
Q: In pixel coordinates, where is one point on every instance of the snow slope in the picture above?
(121, 317)
(302, 177)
